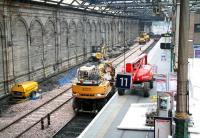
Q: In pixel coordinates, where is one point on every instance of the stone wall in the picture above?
(39, 41)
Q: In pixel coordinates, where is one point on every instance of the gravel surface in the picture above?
(17, 110)
(50, 89)
(65, 114)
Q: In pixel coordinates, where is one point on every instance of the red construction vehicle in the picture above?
(137, 74)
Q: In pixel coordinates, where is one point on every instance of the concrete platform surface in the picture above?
(109, 121)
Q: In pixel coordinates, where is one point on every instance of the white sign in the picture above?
(172, 82)
(161, 83)
(162, 128)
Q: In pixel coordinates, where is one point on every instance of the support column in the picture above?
(182, 89)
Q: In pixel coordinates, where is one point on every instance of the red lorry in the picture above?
(138, 73)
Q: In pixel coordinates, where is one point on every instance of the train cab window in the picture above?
(83, 75)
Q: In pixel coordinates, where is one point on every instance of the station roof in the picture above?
(142, 9)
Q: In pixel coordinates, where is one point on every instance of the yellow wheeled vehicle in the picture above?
(98, 53)
(142, 41)
(93, 87)
(144, 37)
(23, 90)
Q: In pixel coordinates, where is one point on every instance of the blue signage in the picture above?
(197, 54)
(196, 45)
(124, 81)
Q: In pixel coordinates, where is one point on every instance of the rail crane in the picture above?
(137, 74)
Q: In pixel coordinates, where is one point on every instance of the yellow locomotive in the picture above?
(23, 90)
(93, 87)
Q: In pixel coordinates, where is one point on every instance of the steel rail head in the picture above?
(146, 50)
(20, 118)
(43, 117)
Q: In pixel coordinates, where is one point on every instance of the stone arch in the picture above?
(93, 32)
(20, 49)
(80, 38)
(64, 52)
(49, 47)
(36, 47)
(98, 32)
(72, 42)
(88, 37)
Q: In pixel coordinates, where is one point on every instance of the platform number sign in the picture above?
(123, 81)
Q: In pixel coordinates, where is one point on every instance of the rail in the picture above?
(23, 116)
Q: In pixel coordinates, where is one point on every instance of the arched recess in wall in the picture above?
(106, 33)
(117, 33)
(36, 49)
(64, 44)
(129, 30)
(132, 30)
(126, 31)
(20, 50)
(121, 31)
(113, 39)
(80, 38)
(72, 42)
(102, 33)
(49, 45)
(93, 36)
(110, 34)
(88, 38)
(98, 32)
(1, 63)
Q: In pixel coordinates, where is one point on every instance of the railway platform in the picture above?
(121, 119)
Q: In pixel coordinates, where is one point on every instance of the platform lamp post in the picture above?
(182, 117)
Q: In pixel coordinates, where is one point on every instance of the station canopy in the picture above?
(141, 9)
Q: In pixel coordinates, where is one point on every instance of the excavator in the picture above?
(137, 74)
(98, 52)
(93, 87)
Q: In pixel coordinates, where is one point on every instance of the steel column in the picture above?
(182, 92)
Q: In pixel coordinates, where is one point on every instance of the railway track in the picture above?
(78, 123)
(33, 117)
(27, 121)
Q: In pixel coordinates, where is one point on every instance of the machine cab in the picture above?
(88, 75)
